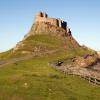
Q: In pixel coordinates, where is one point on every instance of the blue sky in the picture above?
(83, 17)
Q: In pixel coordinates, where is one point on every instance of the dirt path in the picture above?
(13, 60)
(26, 57)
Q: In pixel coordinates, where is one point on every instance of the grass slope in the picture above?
(49, 41)
(34, 79)
(43, 43)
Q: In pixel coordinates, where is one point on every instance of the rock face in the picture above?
(98, 53)
(45, 28)
(86, 61)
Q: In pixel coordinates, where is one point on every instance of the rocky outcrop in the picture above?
(43, 25)
(98, 53)
(86, 60)
(45, 28)
(87, 66)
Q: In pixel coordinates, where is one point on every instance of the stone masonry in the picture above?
(43, 17)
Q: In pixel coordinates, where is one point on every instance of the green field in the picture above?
(34, 79)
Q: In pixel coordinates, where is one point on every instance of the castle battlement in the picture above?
(43, 17)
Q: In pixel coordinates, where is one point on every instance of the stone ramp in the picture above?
(89, 74)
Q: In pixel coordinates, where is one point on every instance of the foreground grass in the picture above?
(34, 80)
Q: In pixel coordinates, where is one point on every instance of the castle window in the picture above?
(41, 14)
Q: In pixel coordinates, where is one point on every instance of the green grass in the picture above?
(5, 55)
(41, 40)
(46, 39)
(43, 82)
(34, 79)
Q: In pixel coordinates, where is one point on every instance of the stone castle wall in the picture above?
(43, 17)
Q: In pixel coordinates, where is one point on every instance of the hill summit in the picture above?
(46, 34)
(44, 24)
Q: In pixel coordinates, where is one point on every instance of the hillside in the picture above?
(33, 79)
(26, 72)
(40, 41)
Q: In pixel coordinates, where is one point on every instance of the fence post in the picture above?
(95, 80)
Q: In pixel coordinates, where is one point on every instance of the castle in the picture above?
(43, 17)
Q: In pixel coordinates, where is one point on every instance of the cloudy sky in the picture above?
(82, 16)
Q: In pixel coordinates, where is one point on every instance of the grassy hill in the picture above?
(27, 74)
(34, 79)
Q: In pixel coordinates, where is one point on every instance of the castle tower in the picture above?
(43, 17)
(59, 22)
(39, 14)
(64, 25)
